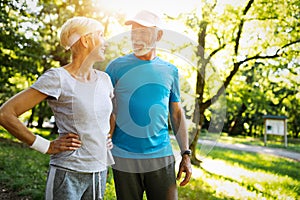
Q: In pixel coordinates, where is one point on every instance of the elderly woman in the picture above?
(80, 98)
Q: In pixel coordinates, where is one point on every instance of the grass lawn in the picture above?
(224, 174)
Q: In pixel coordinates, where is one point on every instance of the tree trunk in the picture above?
(40, 121)
(41, 113)
(54, 130)
(238, 126)
(198, 118)
(193, 146)
(30, 120)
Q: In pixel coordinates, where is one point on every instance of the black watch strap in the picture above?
(187, 152)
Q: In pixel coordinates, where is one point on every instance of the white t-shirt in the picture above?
(84, 109)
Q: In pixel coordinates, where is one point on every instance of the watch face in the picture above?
(187, 152)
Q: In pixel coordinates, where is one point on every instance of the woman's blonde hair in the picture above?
(74, 28)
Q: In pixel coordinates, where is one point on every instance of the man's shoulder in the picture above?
(166, 63)
(124, 58)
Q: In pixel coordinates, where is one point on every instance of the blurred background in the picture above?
(244, 54)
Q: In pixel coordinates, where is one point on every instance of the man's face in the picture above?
(143, 39)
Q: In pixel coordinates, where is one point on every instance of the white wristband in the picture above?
(40, 144)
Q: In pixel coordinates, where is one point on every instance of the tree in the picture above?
(20, 50)
(231, 33)
(31, 44)
(260, 90)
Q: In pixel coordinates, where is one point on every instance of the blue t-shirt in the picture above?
(143, 91)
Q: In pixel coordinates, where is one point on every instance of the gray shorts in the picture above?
(158, 185)
(64, 184)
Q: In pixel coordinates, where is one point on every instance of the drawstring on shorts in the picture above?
(100, 189)
(99, 186)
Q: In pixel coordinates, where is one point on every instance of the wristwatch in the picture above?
(187, 152)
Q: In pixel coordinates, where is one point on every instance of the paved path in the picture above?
(256, 149)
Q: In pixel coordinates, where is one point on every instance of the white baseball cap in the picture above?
(145, 18)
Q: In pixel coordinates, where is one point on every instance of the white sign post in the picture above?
(275, 125)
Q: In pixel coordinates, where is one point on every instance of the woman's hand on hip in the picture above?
(68, 142)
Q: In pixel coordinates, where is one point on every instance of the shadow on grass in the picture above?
(256, 161)
(197, 189)
(23, 170)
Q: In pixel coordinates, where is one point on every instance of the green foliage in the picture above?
(264, 89)
(31, 45)
(268, 86)
(257, 56)
(20, 50)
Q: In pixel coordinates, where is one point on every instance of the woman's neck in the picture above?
(81, 71)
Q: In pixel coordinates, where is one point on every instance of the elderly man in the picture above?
(146, 92)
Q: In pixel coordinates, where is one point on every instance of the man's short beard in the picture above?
(143, 51)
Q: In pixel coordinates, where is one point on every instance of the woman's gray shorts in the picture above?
(70, 185)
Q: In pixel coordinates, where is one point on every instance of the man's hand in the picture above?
(68, 142)
(185, 167)
(109, 143)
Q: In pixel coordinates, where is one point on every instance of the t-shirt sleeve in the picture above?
(175, 90)
(49, 83)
